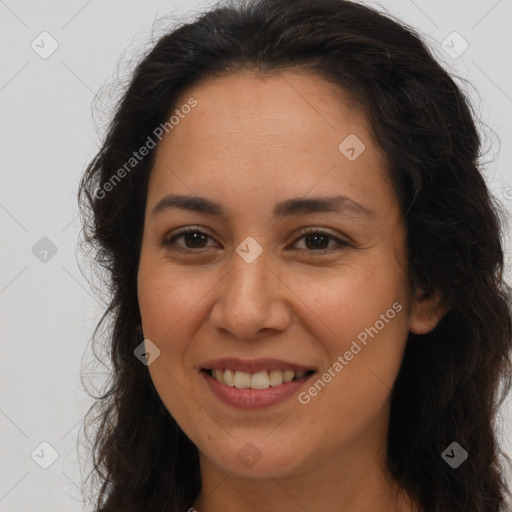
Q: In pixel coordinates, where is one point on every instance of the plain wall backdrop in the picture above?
(56, 55)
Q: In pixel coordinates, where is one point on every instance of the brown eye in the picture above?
(318, 241)
(192, 238)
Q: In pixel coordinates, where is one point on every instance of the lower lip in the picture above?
(254, 398)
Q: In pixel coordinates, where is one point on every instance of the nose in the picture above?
(252, 299)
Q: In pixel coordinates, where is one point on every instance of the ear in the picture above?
(427, 310)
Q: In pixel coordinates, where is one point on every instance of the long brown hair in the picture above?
(452, 380)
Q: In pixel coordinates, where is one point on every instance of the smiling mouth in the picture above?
(258, 380)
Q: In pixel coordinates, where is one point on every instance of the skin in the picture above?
(251, 141)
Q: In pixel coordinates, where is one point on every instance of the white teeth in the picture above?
(275, 377)
(218, 375)
(259, 380)
(242, 380)
(288, 375)
(229, 377)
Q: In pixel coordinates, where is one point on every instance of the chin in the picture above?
(257, 458)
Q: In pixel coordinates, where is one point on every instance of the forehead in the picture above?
(266, 133)
(294, 105)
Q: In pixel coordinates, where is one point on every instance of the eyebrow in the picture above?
(295, 206)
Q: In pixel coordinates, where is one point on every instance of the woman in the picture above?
(308, 310)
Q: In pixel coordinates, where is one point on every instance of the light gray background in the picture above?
(48, 135)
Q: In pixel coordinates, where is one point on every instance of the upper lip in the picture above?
(253, 365)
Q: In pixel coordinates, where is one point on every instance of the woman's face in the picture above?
(267, 158)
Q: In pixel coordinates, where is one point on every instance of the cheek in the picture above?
(167, 298)
(343, 303)
(167, 302)
(365, 327)
(360, 320)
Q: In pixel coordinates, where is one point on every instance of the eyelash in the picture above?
(170, 243)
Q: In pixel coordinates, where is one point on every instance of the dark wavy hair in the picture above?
(452, 381)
